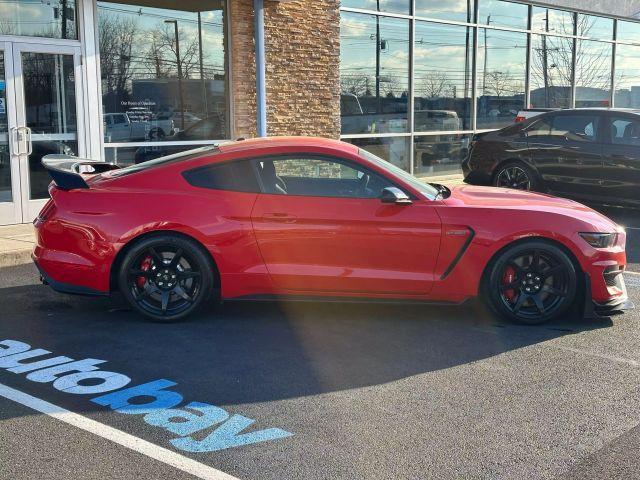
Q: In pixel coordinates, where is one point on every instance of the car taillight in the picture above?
(520, 118)
(46, 211)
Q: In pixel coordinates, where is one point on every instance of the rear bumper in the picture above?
(67, 287)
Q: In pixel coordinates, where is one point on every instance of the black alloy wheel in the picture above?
(532, 283)
(166, 278)
(515, 175)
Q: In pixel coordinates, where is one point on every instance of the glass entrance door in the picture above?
(44, 115)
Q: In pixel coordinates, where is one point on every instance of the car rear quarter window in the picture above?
(625, 131)
(236, 176)
(574, 128)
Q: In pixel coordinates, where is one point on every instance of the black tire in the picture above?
(517, 175)
(162, 287)
(532, 282)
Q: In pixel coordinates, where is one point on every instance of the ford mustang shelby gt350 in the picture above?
(295, 217)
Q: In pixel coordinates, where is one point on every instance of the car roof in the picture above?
(287, 142)
(568, 111)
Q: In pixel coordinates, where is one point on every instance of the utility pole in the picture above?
(484, 73)
(545, 74)
(202, 82)
(181, 96)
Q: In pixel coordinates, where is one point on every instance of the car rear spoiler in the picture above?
(67, 171)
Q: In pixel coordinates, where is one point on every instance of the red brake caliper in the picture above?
(144, 266)
(509, 277)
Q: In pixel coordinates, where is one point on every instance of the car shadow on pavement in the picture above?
(242, 353)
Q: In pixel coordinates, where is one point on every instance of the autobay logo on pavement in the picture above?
(158, 405)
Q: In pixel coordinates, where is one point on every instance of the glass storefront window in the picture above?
(501, 77)
(392, 149)
(50, 19)
(439, 154)
(374, 73)
(163, 71)
(627, 76)
(598, 28)
(628, 32)
(390, 6)
(443, 76)
(503, 14)
(551, 71)
(552, 21)
(125, 156)
(593, 74)
(456, 10)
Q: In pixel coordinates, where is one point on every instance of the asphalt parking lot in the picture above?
(361, 391)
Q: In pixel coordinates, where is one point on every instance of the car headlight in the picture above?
(600, 240)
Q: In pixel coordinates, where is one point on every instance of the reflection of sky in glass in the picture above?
(37, 18)
(506, 62)
(503, 14)
(148, 19)
(391, 6)
(593, 71)
(358, 53)
(556, 53)
(627, 66)
(559, 21)
(458, 10)
(595, 27)
(440, 50)
(629, 31)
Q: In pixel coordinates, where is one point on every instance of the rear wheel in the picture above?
(516, 175)
(166, 278)
(532, 283)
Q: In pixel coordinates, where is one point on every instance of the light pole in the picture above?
(175, 26)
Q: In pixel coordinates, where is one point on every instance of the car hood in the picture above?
(509, 199)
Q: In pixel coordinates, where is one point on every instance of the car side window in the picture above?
(575, 128)
(319, 177)
(625, 131)
(236, 176)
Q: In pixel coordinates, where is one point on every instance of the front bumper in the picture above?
(615, 306)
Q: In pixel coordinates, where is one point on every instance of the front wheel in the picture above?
(531, 283)
(166, 278)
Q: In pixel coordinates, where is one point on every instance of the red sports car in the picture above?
(316, 218)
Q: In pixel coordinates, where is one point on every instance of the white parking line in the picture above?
(131, 442)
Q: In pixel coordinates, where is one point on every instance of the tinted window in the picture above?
(576, 128)
(238, 176)
(319, 177)
(625, 131)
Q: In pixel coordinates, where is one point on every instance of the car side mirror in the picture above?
(394, 195)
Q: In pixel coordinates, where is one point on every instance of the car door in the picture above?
(566, 149)
(321, 227)
(621, 159)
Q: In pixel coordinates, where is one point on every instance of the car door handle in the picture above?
(279, 217)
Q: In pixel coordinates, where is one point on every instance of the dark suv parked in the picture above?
(589, 154)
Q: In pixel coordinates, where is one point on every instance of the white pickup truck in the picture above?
(119, 128)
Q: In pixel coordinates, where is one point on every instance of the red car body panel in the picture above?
(262, 244)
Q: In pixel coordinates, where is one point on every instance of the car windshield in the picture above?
(424, 188)
(162, 160)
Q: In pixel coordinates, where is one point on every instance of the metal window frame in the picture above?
(93, 75)
(476, 25)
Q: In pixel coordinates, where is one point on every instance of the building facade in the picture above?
(409, 80)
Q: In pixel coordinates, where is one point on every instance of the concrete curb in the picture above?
(15, 257)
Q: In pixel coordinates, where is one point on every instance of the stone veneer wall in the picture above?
(302, 46)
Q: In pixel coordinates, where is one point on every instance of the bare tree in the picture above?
(435, 84)
(162, 57)
(117, 39)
